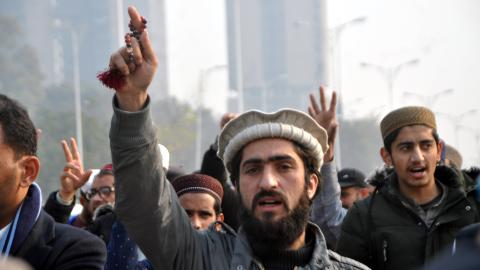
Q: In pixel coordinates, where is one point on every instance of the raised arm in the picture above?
(327, 208)
(145, 202)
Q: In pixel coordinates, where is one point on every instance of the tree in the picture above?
(20, 75)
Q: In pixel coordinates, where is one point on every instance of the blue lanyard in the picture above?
(9, 234)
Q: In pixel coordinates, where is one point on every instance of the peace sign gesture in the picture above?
(325, 117)
(73, 176)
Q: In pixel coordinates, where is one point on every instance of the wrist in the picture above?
(65, 198)
(131, 102)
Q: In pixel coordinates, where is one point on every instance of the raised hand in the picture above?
(73, 176)
(138, 73)
(325, 117)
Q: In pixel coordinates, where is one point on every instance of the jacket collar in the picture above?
(31, 209)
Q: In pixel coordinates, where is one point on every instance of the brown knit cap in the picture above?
(407, 116)
(198, 183)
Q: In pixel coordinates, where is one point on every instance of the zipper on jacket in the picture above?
(384, 246)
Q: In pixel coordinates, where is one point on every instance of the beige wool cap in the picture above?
(288, 124)
(407, 116)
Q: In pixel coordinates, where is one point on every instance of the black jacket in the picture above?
(52, 245)
(213, 166)
(383, 233)
(101, 226)
(58, 211)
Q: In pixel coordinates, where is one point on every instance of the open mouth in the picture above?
(418, 172)
(269, 203)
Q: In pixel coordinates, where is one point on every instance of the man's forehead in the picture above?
(264, 149)
(101, 180)
(414, 133)
(198, 198)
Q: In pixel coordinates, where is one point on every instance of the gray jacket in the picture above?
(147, 205)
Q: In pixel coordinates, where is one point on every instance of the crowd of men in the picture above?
(267, 196)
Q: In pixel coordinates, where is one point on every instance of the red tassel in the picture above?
(112, 78)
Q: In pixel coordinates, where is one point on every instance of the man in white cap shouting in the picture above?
(274, 159)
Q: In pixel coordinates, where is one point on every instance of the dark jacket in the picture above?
(51, 245)
(149, 209)
(212, 165)
(101, 226)
(382, 232)
(59, 212)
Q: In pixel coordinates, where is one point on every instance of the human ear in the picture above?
(387, 158)
(440, 146)
(220, 217)
(30, 167)
(312, 185)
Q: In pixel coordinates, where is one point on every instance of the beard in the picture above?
(269, 236)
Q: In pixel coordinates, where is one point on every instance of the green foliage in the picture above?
(20, 76)
(176, 129)
(52, 109)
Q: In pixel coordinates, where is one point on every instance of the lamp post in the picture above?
(457, 121)
(204, 73)
(238, 56)
(429, 100)
(390, 73)
(336, 33)
(76, 83)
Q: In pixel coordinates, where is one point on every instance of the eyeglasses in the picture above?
(103, 192)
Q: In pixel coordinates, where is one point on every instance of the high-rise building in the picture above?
(277, 52)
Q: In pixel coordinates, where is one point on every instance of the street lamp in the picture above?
(457, 121)
(238, 56)
(336, 33)
(390, 73)
(429, 100)
(204, 73)
(76, 82)
(476, 136)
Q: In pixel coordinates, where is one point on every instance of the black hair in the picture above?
(387, 142)
(217, 207)
(18, 130)
(308, 164)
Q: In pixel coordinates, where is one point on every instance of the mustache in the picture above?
(268, 193)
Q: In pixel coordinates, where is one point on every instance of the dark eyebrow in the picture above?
(410, 143)
(270, 159)
(405, 143)
(206, 212)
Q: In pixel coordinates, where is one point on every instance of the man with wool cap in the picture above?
(201, 197)
(273, 158)
(417, 210)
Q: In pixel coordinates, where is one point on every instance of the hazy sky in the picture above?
(442, 34)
